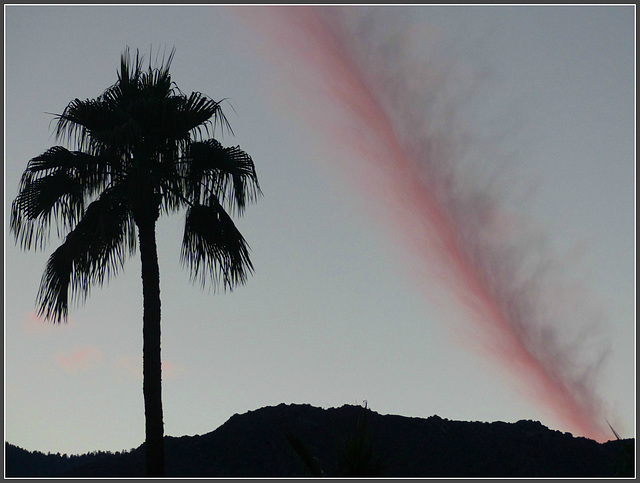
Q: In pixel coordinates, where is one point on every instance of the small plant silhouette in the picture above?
(626, 465)
(356, 456)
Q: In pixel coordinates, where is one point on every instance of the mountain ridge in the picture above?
(256, 444)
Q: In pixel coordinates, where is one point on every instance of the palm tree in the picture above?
(139, 152)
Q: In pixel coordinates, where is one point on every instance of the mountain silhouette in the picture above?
(273, 442)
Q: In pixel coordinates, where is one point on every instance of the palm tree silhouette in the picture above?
(140, 152)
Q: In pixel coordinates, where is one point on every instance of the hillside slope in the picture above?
(255, 444)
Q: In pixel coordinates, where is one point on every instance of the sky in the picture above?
(528, 111)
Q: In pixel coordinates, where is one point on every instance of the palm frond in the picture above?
(358, 457)
(129, 70)
(197, 112)
(54, 185)
(95, 249)
(93, 125)
(311, 462)
(170, 188)
(213, 248)
(227, 174)
(56, 195)
(94, 172)
(156, 82)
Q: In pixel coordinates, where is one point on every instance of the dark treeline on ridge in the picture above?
(302, 440)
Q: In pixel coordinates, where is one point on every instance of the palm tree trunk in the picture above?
(151, 366)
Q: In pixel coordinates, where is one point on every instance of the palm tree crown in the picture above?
(139, 152)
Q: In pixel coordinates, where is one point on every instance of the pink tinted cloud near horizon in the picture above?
(401, 119)
(34, 325)
(79, 360)
(131, 367)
